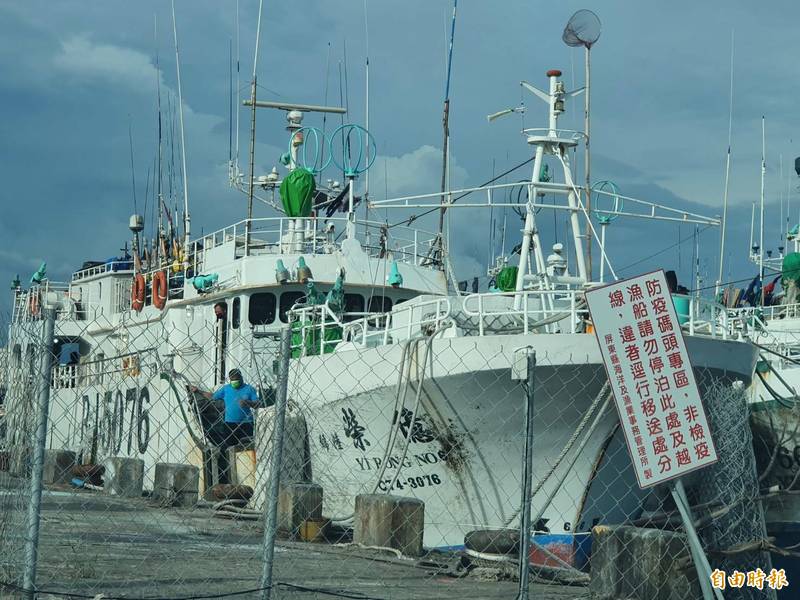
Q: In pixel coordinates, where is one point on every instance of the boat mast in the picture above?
(727, 181)
(761, 235)
(446, 131)
(366, 123)
(251, 183)
(186, 217)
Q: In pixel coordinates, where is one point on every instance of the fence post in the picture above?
(270, 525)
(527, 481)
(37, 465)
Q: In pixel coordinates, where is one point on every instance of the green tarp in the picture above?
(507, 279)
(297, 192)
(791, 269)
(312, 341)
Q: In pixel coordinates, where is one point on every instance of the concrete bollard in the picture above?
(641, 564)
(176, 484)
(124, 476)
(58, 466)
(298, 502)
(390, 522)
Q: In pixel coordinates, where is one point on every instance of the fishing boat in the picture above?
(399, 384)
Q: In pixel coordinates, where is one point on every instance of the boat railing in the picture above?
(318, 329)
(311, 235)
(703, 316)
(115, 266)
(558, 133)
(70, 303)
(100, 371)
(533, 310)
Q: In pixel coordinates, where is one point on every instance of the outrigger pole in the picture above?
(186, 218)
(446, 129)
(718, 286)
(251, 183)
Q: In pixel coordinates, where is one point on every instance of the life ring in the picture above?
(138, 292)
(160, 291)
(33, 304)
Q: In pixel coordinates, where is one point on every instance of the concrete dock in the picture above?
(94, 543)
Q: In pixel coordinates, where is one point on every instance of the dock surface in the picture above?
(92, 543)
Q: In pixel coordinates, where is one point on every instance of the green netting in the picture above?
(297, 191)
(507, 279)
(791, 268)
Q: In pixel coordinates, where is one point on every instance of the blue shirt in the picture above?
(233, 412)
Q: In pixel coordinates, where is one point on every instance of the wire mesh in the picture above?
(401, 470)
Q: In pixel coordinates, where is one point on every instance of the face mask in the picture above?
(236, 384)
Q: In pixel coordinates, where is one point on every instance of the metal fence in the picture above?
(438, 467)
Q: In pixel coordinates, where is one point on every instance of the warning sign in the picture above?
(654, 387)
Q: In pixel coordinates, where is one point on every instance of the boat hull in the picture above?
(458, 444)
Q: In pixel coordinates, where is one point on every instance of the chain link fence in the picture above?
(373, 468)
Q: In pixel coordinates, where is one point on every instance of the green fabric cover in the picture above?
(297, 192)
(791, 269)
(313, 296)
(335, 296)
(311, 343)
(507, 279)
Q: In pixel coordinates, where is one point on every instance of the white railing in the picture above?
(536, 309)
(100, 371)
(705, 317)
(312, 235)
(28, 304)
(113, 266)
(529, 311)
(366, 328)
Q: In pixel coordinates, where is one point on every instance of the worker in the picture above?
(236, 428)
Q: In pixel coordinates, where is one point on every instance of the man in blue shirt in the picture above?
(237, 428)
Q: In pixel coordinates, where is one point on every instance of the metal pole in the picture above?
(603, 251)
(699, 557)
(761, 235)
(587, 123)
(37, 466)
(527, 482)
(270, 525)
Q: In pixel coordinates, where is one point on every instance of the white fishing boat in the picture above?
(401, 387)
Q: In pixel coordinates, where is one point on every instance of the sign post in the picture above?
(659, 404)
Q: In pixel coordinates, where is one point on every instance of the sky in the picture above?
(79, 80)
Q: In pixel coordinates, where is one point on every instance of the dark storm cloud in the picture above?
(77, 74)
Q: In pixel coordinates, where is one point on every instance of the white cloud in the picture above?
(83, 58)
(416, 172)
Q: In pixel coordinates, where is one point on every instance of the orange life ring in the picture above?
(33, 304)
(160, 291)
(137, 293)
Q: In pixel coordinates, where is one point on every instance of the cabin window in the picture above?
(261, 310)
(236, 311)
(380, 304)
(288, 300)
(353, 303)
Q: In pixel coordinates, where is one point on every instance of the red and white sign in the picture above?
(648, 368)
